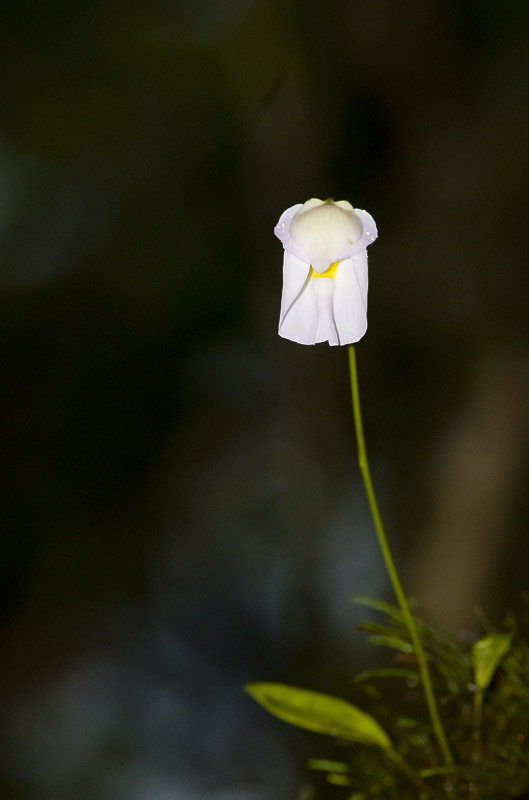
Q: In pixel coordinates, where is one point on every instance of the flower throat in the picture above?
(330, 272)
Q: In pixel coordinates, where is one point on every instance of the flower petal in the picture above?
(309, 319)
(369, 232)
(300, 323)
(334, 251)
(282, 231)
(350, 298)
(324, 290)
(324, 231)
(295, 273)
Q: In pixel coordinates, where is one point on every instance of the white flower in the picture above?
(324, 271)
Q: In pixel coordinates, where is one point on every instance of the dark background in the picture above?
(181, 507)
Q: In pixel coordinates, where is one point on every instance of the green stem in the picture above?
(391, 568)
(478, 721)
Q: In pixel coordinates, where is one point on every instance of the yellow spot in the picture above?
(330, 272)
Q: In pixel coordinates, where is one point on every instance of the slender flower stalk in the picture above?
(391, 568)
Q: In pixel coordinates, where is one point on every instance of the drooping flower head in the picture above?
(324, 271)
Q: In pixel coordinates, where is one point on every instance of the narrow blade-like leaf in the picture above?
(378, 605)
(392, 641)
(387, 672)
(325, 765)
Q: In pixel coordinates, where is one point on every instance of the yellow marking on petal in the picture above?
(330, 272)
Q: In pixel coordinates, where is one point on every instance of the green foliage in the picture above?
(487, 654)
(320, 713)
(484, 700)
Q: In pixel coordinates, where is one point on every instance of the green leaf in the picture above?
(391, 641)
(387, 672)
(378, 605)
(320, 713)
(453, 769)
(487, 654)
(326, 765)
(384, 630)
(339, 780)
(391, 637)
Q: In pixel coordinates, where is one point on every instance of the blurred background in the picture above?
(181, 508)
